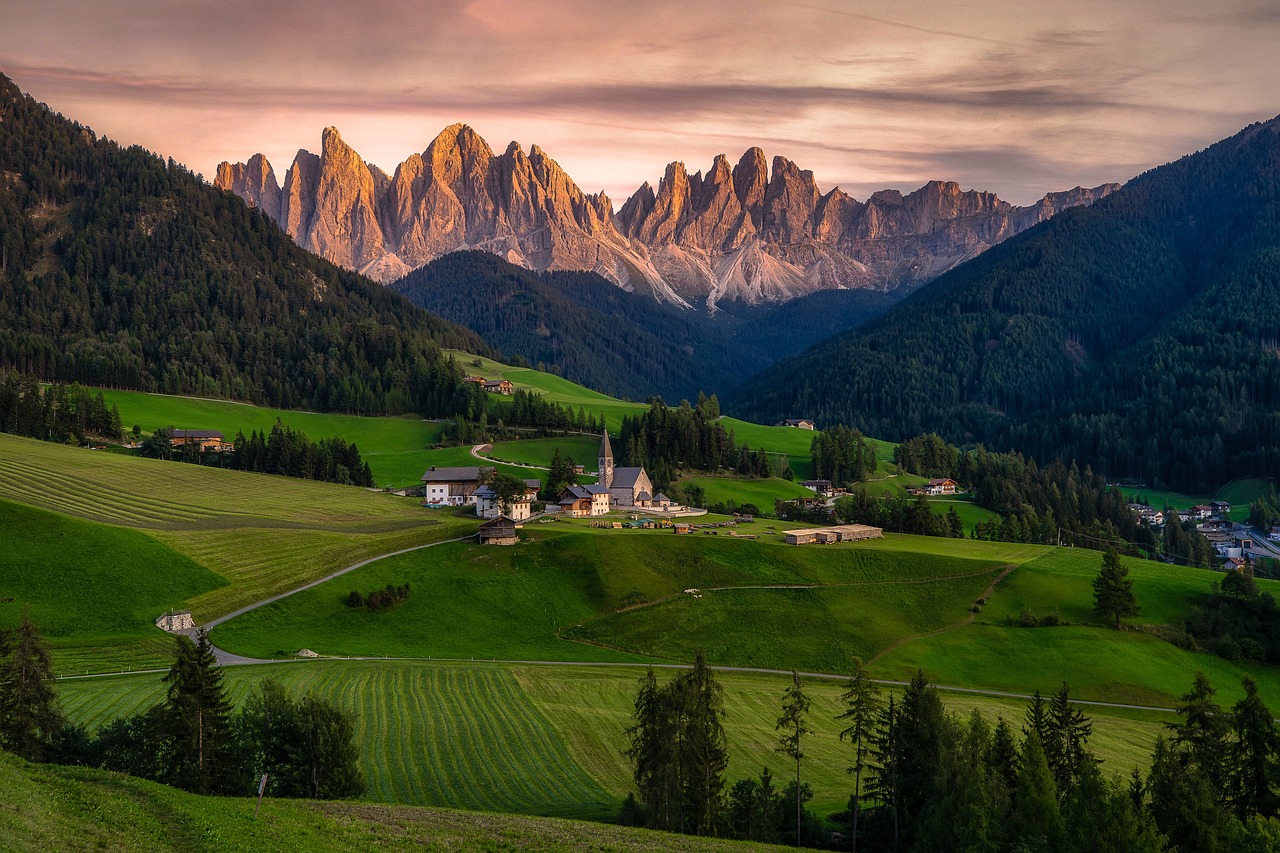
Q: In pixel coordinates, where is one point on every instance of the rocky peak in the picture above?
(790, 201)
(750, 179)
(254, 181)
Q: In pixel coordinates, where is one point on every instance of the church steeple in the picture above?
(606, 461)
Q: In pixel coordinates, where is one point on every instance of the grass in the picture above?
(761, 492)
(110, 586)
(549, 739)
(513, 603)
(1240, 492)
(393, 446)
(75, 809)
(970, 513)
(584, 450)
(260, 534)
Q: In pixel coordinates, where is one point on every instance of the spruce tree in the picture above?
(1113, 590)
(1070, 730)
(1037, 820)
(793, 727)
(705, 755)
(29, 711)
(1253, 771)
(1202, 732)
(861, 700)
(196, 714)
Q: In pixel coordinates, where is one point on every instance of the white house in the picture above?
(452, 486)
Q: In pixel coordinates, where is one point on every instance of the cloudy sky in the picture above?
(1015, 97)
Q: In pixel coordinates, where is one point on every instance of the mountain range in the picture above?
(753, 232)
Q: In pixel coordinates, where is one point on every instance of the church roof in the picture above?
(625, 478)
(605, 450)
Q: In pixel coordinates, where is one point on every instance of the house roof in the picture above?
(606, 452)
(942, 482)
(661, 498)
(196, 433)
(485, 492)
(644, 496)
(533, 483)
(452, 475)
(595, 490)
(795, 421)
(575, 493)
(810, 483)
(625, 478)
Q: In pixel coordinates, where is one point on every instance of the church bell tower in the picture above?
(606, 461)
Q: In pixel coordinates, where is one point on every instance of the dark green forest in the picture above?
(587, 329)
(1140, 334)
(120, 269)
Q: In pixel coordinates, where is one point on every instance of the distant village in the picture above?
(1232, 541)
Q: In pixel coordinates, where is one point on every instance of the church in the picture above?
(627, 486)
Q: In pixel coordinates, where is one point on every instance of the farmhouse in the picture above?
(498, 531)
(584, 501)
(945, 486)
(452, 486)
(798, 423)
(478, 380)
(829, 535)
(821, 487)
(208, 439)
(488, 505)
(499, 386)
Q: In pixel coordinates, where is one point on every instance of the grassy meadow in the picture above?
(257, 534)
(549, 739)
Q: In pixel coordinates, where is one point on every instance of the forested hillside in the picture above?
(589, 330)
(119, 269)
(1139, 334)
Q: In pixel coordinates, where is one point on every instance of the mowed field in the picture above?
(257, 534)
(393, 446)
(549, 740)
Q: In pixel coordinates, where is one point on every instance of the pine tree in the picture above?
(793, 726)
(705, 755)
(29, 711)
(1037, 820)
(649, 750)
(197, 718)
(1202, 732)
(1070, 732)
(1253, 771)
(861, 700)
(1113, 590)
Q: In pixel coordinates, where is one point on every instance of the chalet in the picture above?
(499, 386)
(208, 439)
(1233, 564)
(821, 487)
(798, 423)
(488, 505)
(945, 486)
(830, 535)
(478, 380)
(452, 486)
(1220, 508)
(498, 531)
(1201, 512)
(584, 501)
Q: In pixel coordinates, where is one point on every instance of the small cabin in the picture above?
(498, 531)
(499, 386)
(797, 423)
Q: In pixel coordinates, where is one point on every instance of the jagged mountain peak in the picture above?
(757, 230)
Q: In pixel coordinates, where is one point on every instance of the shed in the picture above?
(498, 531)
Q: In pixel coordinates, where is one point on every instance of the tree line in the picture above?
(58, 412)
(925, 779)
(284, 451)
(194, 739)
(842, 455)
(665, 440)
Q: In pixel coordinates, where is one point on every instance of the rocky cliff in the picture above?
(750, 232)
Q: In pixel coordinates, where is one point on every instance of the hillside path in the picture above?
(226, 657)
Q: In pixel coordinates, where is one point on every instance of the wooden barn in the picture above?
(498, 531)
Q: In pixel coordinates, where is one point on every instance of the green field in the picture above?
(393, 446)
(99, 607)
(1239, 493)
(970, 513)
(762, 493)
(548, 739)
(584, 450)
(259, 534)
(77, 809)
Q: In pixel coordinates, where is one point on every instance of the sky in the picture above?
(1003, 95)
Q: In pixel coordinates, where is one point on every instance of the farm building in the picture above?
(828, 535)
(821, 487)
(584, 501)
(176, 621)
(452, 486)
(798, 423)
(499, 386)
(498, 531)
(945, 486)
(682, 527)
(208, 439)
(488, 505)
